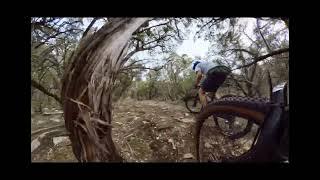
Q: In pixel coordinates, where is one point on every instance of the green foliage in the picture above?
(52, 42)
(170, 83)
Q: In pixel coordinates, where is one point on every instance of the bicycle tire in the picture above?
(249, 124)
(253, 109)
(237, 135)
(191, 98)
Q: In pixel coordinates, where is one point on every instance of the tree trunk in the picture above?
(87, 87)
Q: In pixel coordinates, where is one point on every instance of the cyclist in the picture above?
(210, 77)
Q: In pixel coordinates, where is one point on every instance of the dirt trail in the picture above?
(144, 131)
(153, 131)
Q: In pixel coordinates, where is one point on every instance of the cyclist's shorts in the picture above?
(214, 79)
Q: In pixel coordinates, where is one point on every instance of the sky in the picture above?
(189, 46)
(193, 48)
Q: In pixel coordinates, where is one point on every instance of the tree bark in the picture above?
(87, 89)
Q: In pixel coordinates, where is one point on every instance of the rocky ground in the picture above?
(144, 131)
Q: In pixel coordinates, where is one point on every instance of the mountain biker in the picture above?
(210, 77)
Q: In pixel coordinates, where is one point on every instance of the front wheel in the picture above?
(209, 144)
(193, 104)
(230, 126)
(233, 127)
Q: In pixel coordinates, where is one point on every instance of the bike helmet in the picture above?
(194, 64)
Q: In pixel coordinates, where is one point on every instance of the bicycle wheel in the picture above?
(193, 104)
(230, 126)
(233, 127)
(252, 109)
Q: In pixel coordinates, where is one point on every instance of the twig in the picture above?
(151, 27)
(215, 21)
(78, 102)
(101, 122)
(131, 151)
(264, 40)
(244, 50)
(45, 129)
(128, 135)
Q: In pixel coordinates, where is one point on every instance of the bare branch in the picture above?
(238, 85)
(129, 55)
(264, 40)
(204, 25)
(45, 91)
(151, 27)
(260, 58)
(258, 45)
(243, 50)
(175, 24)
(143, 48)
(215, 21)
(151, 47)
(52, 36)
(138, 61)
(156, 40)
(142, 67)
(89, 27)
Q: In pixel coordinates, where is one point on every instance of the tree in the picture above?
(87, 87)
(156, 36)
(52, 41)
(124, 81)
(177, 75)
(230, 43)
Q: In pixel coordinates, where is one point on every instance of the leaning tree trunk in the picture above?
(87, 87)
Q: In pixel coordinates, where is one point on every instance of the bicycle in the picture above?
(192, 103)
(271, 142)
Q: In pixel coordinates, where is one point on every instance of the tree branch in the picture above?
(52, 36)
(239, 85)
(204, 25)
(142, 67)
(175, 24)
(243, 50)
(151, 27)
(260, 58)
(142, 48)
(258, 45)
(156, 40)
(89, 27)
(42, 89)
(264, 40)
(132, 63)
(151, 47)
(215, 21)
(154, 69)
